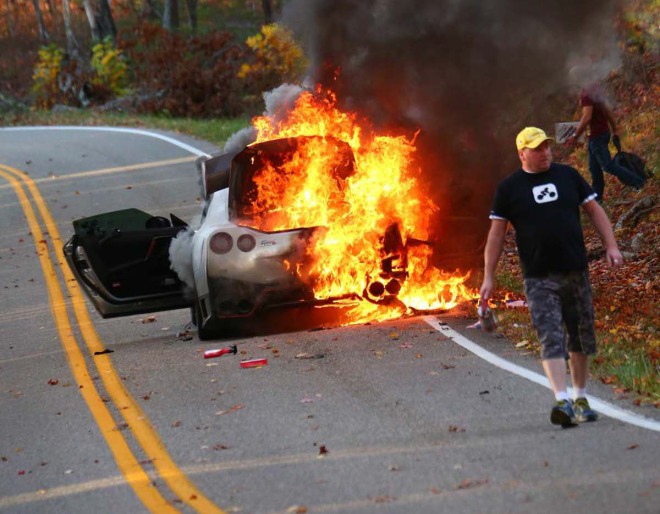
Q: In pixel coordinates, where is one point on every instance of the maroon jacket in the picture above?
(598, 124)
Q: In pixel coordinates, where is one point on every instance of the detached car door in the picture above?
(121, 260)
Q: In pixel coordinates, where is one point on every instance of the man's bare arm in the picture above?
(587, 113)
(602, 224)
(492, 253)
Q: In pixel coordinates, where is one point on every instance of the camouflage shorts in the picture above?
(562, 312)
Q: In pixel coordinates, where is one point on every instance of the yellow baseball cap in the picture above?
(531, 137)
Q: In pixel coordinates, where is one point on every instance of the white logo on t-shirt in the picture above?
(545, 193)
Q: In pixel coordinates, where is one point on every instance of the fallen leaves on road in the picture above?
(468, 484)
(383, 499)
(233, 408)
(184, 335)
(305, 355)
(297, 509)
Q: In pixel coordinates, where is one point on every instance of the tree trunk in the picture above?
(106, 22)
(267, 6)
(71, 43)
(148, 10)
(192, 14)
(100, 20)
(171, 15)
(10, 19)
(90, 12)
(43, 33)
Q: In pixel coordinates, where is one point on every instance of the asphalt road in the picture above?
(397, 417)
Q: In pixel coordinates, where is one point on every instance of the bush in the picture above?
(109, 65)
(58, 79)
(185, 76)
(275, 58)
(47, 70)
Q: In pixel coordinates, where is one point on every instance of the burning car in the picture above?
(240, 266)
(298, 217)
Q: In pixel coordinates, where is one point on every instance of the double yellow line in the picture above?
(133, 415)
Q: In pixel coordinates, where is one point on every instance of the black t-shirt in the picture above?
(544, 209)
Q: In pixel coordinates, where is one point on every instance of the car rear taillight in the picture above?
(221, 243)
(246, 243)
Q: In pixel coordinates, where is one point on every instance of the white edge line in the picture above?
(162, 137)
(601, 406)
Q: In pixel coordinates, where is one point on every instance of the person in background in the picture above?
(542, 201)
(597, 120)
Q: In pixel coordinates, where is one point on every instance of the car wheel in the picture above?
(196, 314)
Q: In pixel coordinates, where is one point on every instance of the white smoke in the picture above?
(181, 256)
(589, 72)
(239, 140)
(280, 101)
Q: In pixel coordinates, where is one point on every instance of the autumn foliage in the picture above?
(205, 73)
(273, 58)
(184, 76)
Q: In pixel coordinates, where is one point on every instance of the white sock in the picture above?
(579, 393)
(561, 395)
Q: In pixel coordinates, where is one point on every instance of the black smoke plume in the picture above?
(469, 73)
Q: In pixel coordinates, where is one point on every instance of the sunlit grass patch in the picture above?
(631, 367)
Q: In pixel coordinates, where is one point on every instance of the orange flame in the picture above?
(355, 210)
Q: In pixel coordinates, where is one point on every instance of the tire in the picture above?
(204, 334)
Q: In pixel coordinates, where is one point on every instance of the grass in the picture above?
(627, 365)
(509, 280)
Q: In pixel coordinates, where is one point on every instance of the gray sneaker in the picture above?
(562, 414)
(583, 411)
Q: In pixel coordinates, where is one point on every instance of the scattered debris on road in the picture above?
(219, 352)
(254, 363)
(305, 355)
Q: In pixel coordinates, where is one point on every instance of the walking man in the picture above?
(598, 119)
(542, 201)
